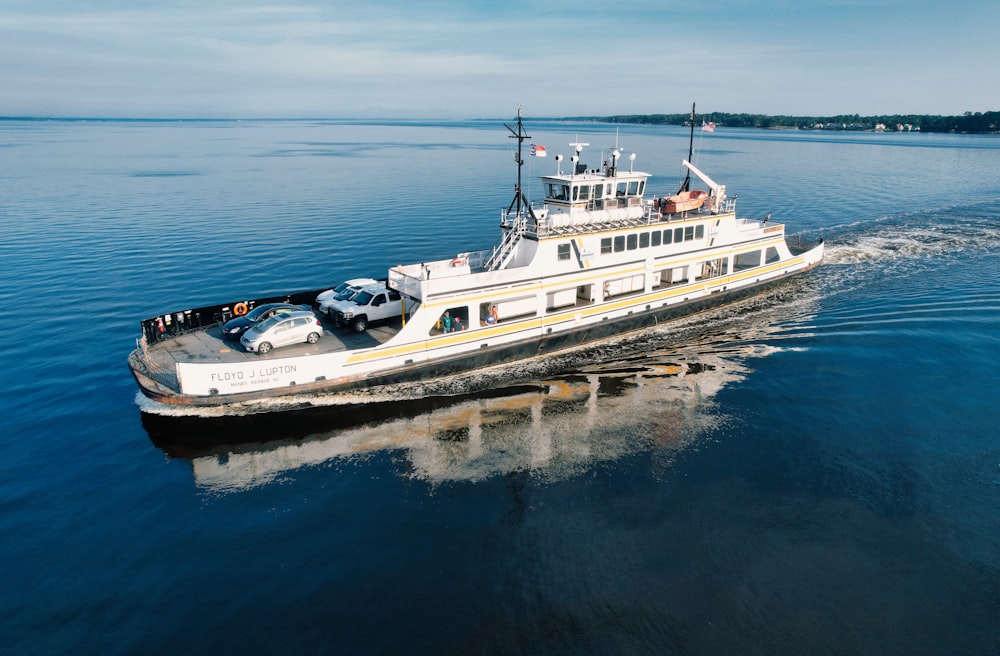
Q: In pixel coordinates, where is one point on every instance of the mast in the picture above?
(521, 136)
(686, 185)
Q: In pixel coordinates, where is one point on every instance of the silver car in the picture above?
(281, 330)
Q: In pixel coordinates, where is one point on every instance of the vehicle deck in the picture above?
(207, 344)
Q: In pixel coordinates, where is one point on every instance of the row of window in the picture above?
(582, 192)
(654, 238)
(641, 240)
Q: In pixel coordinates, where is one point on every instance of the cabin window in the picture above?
(619, 243)
(678, 235)
(633, 242)
(563, 251)
(576, 192)
(715, 268)
(642, 186)
(622, 286)
(584, 193)
(598, 191)
(644, 240)
(606, 246)
(689, 233)
(559, 301)
(670, 276)
(655, 238)
(633, 188)
(771, 255)
(558, 191)
(622, 186)
(668, 236)
(488, 314)
(699, 231)
(513, 309)
(746, 260)
(452, 320)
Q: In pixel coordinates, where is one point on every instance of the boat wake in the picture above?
(917, 236)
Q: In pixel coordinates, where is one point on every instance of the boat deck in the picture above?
(158, 360)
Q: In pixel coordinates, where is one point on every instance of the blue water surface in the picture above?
(816, 470)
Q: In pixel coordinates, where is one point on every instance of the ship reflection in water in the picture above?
(552, 428)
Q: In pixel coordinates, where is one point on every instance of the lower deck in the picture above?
(158, 360)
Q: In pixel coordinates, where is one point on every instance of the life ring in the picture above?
(240, 309)
(457, 262)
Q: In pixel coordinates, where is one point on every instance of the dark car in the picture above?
(234, 328)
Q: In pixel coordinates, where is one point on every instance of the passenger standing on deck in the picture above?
(446, 320)
(456, 324)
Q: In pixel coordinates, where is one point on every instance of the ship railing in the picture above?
(748, 225)
(516, 224)
(799, 244)
(173, 324)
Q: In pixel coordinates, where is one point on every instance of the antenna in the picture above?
(521, 136)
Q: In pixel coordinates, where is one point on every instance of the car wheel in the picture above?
(264, 347)
(360, 325)
(312, 338)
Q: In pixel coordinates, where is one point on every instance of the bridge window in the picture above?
(557, 191)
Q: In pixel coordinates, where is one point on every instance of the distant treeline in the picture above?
(978, 122)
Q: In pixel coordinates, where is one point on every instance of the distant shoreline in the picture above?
(968, 123)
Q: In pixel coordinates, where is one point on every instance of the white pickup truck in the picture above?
(342, 291)
(371, 304)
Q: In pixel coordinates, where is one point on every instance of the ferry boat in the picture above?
(598, 256)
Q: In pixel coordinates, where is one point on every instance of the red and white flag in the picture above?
(538, 151)
(707, 127)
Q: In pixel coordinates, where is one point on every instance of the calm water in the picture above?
(814, 471)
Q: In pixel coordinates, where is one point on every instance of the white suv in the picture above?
(373, 303)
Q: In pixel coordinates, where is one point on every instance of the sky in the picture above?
(477, 59)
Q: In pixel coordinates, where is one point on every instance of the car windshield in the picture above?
(363, 298)
(347, 293)
(256, 313)
(267, 324)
